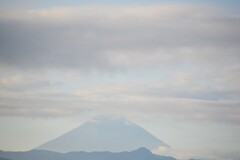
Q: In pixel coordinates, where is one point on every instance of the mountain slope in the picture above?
(139, 154)
(104, 134)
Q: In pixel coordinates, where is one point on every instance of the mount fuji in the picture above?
(104, 134)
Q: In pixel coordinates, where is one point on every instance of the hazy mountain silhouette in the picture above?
(139, 154)
(104, 134)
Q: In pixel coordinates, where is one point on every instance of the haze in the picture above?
(170, 66)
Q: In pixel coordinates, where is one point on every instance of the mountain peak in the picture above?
(104, 133)
(106, 119)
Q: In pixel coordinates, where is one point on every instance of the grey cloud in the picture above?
(21, 84)
(123, 100)
(195, 40)
(43, 112)
(89, 38)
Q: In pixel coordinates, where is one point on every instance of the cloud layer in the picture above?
(190, 53)
(118, 37)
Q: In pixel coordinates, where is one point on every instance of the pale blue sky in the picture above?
(169, 66)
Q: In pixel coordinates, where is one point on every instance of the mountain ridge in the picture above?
(138, 154)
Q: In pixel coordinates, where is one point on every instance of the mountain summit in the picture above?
(104, 134)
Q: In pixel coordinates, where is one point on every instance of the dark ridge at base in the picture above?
(139, 154)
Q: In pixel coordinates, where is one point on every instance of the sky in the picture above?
(172, 67)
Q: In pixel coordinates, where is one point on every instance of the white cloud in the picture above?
(193, 154)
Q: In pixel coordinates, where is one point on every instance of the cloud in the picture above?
(153, 99)
(204, 154)
(21, 83)
(193, 48)
(86, 38)
(179, 154)
(190, 53)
